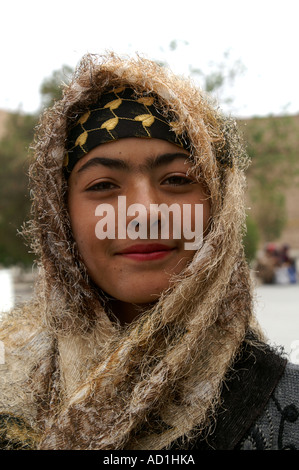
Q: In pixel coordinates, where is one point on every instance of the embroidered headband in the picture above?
(116, 115)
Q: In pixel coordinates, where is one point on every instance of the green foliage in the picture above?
(51, 88)
(272, 146)
(270, 212)
(14, 195)
(251, 239)
(220, 76)
(217, 76)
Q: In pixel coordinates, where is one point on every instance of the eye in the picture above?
(177, 180)
(102, 186)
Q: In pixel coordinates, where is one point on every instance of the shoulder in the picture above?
(22, 338)
(24, 345)
(278, 426)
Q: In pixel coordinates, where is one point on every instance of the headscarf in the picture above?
(160, 378)
(117, 114)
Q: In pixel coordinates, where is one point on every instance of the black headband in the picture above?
(116, 115)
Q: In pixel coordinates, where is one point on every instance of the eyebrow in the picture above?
(116, 163)
(164, 159)
(119, 164)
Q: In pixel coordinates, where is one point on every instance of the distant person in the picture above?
(286, 270)
(140, 343)
(267, 264)
(292, 269)
(284, 254)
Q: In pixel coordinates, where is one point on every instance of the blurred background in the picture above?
(244, 53)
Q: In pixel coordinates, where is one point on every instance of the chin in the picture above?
(143, 299)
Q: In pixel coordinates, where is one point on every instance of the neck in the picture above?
(127, 312)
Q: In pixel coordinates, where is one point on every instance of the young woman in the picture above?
(137, 337)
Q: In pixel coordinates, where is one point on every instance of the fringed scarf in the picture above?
(93, 384)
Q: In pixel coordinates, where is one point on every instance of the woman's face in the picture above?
(144, 172)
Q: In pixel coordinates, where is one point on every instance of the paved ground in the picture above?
(6, 290)
(277, 309)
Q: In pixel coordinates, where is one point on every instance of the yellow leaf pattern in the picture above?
(117, 114)
(147, 119)
(82, 138)
(113, 104)
(146, 100)
(110, 124)
(66, 160)
(84, 118)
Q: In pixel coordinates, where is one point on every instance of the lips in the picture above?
(146, 252)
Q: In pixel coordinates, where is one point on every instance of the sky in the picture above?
(38, 37)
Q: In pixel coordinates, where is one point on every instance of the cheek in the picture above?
(82, 223)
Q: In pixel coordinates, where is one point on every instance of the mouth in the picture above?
(146, 252)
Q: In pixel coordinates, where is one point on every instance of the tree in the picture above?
(14, 193)
(272, 146)
(251, 239)
(220, 77)
(51, 87)
(217, 78)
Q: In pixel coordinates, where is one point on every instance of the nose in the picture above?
(142, 191)
(143, 216)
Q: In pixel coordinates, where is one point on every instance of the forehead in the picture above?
(132, 153)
